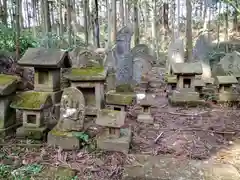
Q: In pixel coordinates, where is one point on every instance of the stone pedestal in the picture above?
(120, 144)
(119, 100)
(36, 133)
(114, 138)
(66, 140)
(145, 118)
(185, 97)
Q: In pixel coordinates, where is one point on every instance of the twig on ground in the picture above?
(192, 114)
(155, 140)
(196, 129)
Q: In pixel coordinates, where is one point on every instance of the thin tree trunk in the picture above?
(86, 4)
(17, 30)
(189, 45)
(97, 25)
(114, 21)
(69, 26)
(136, 21)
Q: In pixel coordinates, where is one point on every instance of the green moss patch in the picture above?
(7, 79)
(30, 100)
(89, 73)
(109, 112)
(120, 98)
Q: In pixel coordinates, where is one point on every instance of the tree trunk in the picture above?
(69, 26)
(5, 15)
(136, 25)
(121, 9)
(96, 25)
(86, 7)
(17, 30)
(114, 21)
(189, 45)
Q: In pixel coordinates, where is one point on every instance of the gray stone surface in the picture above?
(72, 110)
(200, 53)
(146, 167)
(175, 53)
(140, 48)
(45, 58)
(124, 59)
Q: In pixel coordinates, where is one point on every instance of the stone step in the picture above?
(147, 167)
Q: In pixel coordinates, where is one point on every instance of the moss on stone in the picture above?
(7, 79)
(124, 88)
(109, 112)
(89, 73)
(59, 133)
(30, 100)
(120, 98)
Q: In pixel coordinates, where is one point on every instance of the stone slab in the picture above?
(121, 144)
(147, 167)
(188, 98)
(145, 118)
(65, 140)
(120, 98)
(32, 133)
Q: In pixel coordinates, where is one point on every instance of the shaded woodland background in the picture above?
(67, 24)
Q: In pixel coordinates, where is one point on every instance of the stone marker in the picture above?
(230, 64)
(200, 53)
(175, 54)
(142, 65)
(8, 86)
(145, 115)
(225, 88)
(71, 121)
(114, 138)
(33, 105)
(140, 48)
(124, 71)
(84, 58)
(185, 91)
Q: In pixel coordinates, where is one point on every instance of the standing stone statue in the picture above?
(200, 53)
(140, 48)
(72, 110)
(142, 65)
(175, 53)
(124, 59)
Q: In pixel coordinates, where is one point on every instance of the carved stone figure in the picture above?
(72, 110)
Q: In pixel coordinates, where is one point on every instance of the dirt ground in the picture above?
(192, 133)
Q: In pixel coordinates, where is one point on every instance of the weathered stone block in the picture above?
(145, 118)
(123, 98)
(111, 118)
(32, 133)
(121, 144)
(7, 114)
(65, 140)
(227, 97)
(188, 98)
(9, 131)
(56, 96)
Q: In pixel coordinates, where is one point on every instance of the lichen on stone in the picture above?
(30, 100)
(120, 98)
(7, 79)
(109, 112)
(88, 73)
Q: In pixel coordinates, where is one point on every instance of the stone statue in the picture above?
(72, 110)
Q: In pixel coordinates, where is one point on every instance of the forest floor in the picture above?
(202, 134)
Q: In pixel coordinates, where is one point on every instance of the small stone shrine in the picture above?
(71, 123)
(114, 138)
(33, 106)
(47, 65)
(145, 115)
(89, 79)
(185, 91)
(8, 86)
(225, 88)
